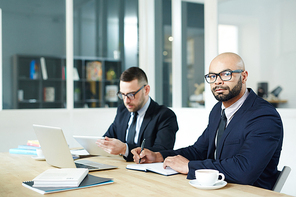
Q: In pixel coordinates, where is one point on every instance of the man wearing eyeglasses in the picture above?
(243, 139)
(139, 118)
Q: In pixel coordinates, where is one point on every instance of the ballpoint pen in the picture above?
(142, 147)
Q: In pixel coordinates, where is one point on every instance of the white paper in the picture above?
(153, 167)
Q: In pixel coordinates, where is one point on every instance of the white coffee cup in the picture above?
(208, 177)
(39, 153)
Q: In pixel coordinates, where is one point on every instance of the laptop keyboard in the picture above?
(80, 165)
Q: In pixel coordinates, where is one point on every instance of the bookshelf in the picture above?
(30, 90)
(34, 88)
(98, 82)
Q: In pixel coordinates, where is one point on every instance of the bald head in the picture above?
(228, 90)
(231, 60)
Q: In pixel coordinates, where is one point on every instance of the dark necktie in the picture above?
(132, 130)
(221, 128)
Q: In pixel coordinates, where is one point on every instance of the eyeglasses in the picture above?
(224, 75)
(130, 95)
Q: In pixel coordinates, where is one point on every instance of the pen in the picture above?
(142, 147)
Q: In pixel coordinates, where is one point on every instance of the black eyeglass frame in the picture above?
(130, 95)
(218, 74)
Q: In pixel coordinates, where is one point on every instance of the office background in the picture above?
(266, 43)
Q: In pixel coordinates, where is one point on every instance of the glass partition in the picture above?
(192, 52)
(34, 62)
(193, 55)
(266, 41)
(105, 44)
(33, 38)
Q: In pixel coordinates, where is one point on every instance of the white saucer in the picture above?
(194, 183)
(38, 158)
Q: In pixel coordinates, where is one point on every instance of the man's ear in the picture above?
(245, 75)
(147, 89)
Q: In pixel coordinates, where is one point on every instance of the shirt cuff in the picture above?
(126, 151)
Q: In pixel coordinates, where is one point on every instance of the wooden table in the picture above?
(14, 169)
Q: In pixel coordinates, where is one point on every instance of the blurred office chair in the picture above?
(281, 179)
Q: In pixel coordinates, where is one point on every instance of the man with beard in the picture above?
(246, 149)
(139, 118)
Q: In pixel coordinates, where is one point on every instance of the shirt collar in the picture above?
(230, 111)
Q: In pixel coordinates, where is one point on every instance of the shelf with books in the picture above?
(95, 74)
(38, 80)
(42, 79)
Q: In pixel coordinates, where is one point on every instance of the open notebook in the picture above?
(152, 167)
(57, 152)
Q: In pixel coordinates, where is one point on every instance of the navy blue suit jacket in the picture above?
(250, 148)
(158, 128)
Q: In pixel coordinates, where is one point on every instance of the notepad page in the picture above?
(140, 167)
(154, 167)
(158, 168)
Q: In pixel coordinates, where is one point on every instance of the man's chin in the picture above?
(220, 97)
(130, 109)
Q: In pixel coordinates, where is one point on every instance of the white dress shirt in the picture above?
(231, 110)
(140, 118)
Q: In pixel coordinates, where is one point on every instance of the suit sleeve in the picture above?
(160, 134)
(111, 132)
(245, 159)
(261, 143)
(197, 151)
(166, 128)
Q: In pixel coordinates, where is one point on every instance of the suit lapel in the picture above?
(123, 129)
(212, 133)
(147, 118)
(145, 123)
(238, 115)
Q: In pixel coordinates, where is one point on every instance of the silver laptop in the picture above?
(57, 152)
(89, 144)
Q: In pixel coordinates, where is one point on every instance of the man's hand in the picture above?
(178, 163)
(112, 145)
(147, 156)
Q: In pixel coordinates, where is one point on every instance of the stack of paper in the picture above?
(66, 177)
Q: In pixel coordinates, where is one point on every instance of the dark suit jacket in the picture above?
(158, 128)
(250, 148)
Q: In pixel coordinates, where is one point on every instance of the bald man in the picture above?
(246, 148)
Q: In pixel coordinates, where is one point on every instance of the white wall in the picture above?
(16, 129)
(16, 125)
(267, 40)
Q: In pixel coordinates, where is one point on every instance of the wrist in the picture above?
(124, 148)
(158, 157)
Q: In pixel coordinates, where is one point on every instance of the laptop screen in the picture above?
(54, 146)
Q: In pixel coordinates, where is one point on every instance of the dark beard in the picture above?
(232, 93)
